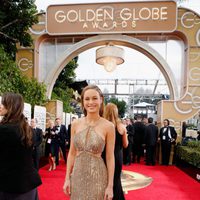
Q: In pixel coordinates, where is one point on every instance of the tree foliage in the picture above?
(13, 81)
(61, 90)
(67, 75)
(16, 16)
(121, 105)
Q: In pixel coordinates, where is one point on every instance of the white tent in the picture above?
(143, 105)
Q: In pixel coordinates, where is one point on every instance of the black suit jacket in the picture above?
(37, 137)
(151, 135)
(165, 133)
(62, 134)
(139, 128)
(130, 132)
(17, 174)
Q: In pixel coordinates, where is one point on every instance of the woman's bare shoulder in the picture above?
(121, 128)
(121, 125)
(77, 121)
(107, 123)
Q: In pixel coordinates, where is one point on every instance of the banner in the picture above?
(27, 111)
(40, 116)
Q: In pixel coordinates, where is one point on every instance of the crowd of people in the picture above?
(56, 140)
(144, 137)
(98, 144)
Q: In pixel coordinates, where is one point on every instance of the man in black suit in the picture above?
(138, 150)
(61, 130)
(150, 140)
(37, 140)
(167, 137)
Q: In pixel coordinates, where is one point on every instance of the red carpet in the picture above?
(169, 183)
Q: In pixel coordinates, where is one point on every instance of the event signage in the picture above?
(40, 116)
(102, 18)
(27, 111)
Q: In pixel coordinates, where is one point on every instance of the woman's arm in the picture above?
(124, 136)
(122, 130)
(110, 143)
(70, 162)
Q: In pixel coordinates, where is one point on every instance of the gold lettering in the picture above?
(80, 16)
(85, 25)
(134, 15)
(125, 14)
(144, 14)
(90, 15)
(163, 13)
(59, 16)
(95, 24)
(99, 15)
(133, 24)
(108, 15)
(114, 24)
(111, 17)
(124, 24)
(155, 13)
(105, 25)
(73, 14)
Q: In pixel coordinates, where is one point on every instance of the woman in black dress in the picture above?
(51, 144)
(111, 114)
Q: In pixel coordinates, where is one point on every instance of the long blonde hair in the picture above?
(111, 113)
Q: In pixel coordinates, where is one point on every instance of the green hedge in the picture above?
(190, 153)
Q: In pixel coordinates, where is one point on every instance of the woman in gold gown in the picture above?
(87, 177)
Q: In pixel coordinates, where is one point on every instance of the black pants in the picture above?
(138, 152)
(165, 149)
(31, 195)
(151, 154)
(63, 149)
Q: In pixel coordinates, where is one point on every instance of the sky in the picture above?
(42, 4)
(136, 65)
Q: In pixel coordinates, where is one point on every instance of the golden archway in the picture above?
(188, 30)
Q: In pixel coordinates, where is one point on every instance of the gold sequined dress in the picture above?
(89, 175)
